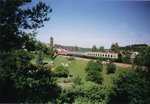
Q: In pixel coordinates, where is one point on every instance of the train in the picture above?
(108, 55)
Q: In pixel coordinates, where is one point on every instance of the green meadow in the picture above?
(77, 68)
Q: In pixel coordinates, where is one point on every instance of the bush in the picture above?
(127, 59)
(130, 88)
(71, 58)
(77, 80)
(94, 76)
(83, 94)
(93, 70)
(111, 68)
(97, 66)
(61, 71)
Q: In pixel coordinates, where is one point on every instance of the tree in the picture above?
(39, 46)
(119, 57)
(130, 88)
(14, 20)
(96, 66)
(61, 71)
(21, 81)
(127, 58)
(115, 47)
(101, 49)
(52, 53)
(143, 58)
(93, 94)
(93, 70)
(111, 68)
(94, 76)
(52, 50)
(94, 48)
(76, 48)
(39, 60)
(51, 41)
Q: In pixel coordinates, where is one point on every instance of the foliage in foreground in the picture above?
(24, 82)
(143, 58)
(21, 81)
(82, 94)
(131, 88)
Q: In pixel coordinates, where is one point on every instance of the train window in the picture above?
(111, 55)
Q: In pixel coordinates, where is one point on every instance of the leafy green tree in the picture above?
(93, 70)
(130, 88)
(39, 46)
(97, 66)
(52, 50)
(52, 53)
(143, 58)
(126, 58)
(139, 60)
(94, 48)
(51, 42)
(115, 47)
(14, 20)
(22, 82)
(101, 49)
(76, 48)
(93, 94)
(29, 42)
(39, 60)
(61, 71)
(94, 76)
(119, 57)
(111, 68)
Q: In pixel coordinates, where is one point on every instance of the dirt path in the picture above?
(104, 62)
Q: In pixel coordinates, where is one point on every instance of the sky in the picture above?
(95, 22)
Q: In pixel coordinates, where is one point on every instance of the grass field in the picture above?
(76, 67)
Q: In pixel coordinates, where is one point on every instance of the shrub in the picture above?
(93, 94)
(94, 76)
(77, 80)
(61, 71)
(93, 70)
(130, 88)
(97, 66)
(71, 58)
(111, 68)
